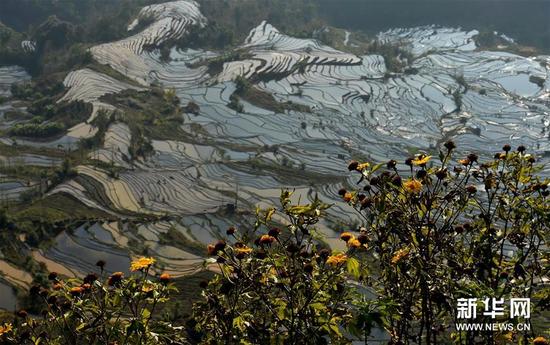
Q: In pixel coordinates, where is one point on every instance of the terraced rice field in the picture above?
(246, 158)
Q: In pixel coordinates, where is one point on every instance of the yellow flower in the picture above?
(5, 329)
(335, 260)
(141, 264)
(242, 251)
(354, 243)
(421, 160)
(346, 236)
(399, 255)
(362, 166)
(412, 186)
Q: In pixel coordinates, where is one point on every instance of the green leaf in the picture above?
(353, 267)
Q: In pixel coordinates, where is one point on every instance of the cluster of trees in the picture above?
(34, 130)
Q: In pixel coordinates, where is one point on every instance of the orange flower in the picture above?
(348, 196)
(5, 329)
(165, 278)
(335, 260)
(141, 264)
(76, 291)
(421, 160)
(412, 186)
(540, 341)
(266, 239)
(115, 278)
(346, 236)
(399, 255)
(464, 161)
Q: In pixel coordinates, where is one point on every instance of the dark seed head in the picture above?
(521, 149)
(506, 148)
(391, 164)
(220, 245)
(473, 157)
(450, 145)
(353, 165)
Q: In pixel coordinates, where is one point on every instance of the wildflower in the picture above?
(441, 174)
(100, 264)
(506, 148)
(473, 157)
(5, 329)
(274, 232)
(324, 253)
(142, 263)
(374, 181)
(412, 186)
(348, 196)
(346, 236)
(241, 252)
(335, 260)
(353, 165)
(22, 313)
(220, 245)
(409, 161)
(399, 255)
(540, 341)
(365, 203)
(90, 278)
(266, 239)
(354, 243)
(471, 189)
(521, 149)
(464, 161)
(421, 160)
(391, 164)
(420, 174)
(230, 231)
(362, 166)
(86, 287)
(363, 239)
(52, 276)
(115, 278)
(396, 180)
(76, 291)
(450, 145)
(165, 278)
(211, 249)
